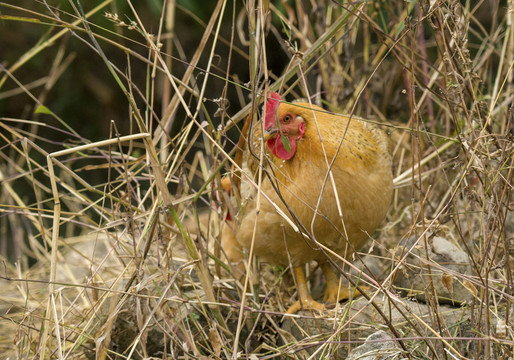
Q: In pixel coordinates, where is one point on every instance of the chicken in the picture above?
(332, 173)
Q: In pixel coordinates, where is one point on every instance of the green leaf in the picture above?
(42, 109)
(19, 18)
(286, 143)
(399, 28)
(284, 139)
(285, 28)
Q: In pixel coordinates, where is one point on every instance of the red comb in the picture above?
(271, 106)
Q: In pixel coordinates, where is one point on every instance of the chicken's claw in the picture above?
(333, 294)
(305, 304)
(305, 300)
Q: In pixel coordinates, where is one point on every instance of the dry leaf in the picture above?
(448, 283)
(214, 338)
(472, 289)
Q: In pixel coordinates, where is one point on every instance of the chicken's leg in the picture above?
(232, 249)
(305, 300)
(334, 294)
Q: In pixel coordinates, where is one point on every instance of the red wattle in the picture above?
(277, 147)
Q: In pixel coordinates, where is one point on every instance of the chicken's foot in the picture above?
(305, 300)
(334, 294)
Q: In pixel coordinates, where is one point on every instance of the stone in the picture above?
(449, 271)
(378, 346)
(335, 333)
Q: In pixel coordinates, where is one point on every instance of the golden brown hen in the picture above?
(332, 173)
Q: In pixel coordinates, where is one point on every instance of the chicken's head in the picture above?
(283, 127)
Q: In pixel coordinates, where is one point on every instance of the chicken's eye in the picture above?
(287, 118)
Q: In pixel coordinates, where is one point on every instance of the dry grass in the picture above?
(111, 245)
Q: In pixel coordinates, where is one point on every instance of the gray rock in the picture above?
(332, 335)
(378, 346)
(449, 267)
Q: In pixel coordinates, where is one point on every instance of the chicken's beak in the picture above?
(269, 133)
